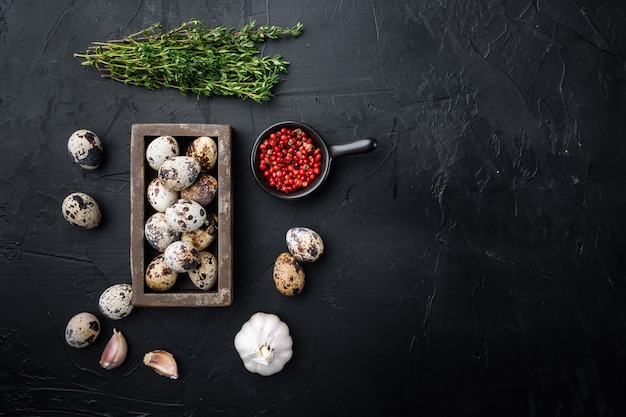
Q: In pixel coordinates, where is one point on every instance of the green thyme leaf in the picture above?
(194, 59)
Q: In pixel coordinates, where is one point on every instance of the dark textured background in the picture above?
(475, 261)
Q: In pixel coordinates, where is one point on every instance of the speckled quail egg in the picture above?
(179, 172)
(81, 210)
(288, 275)
(203, 190)
(202, 237)
(160, 149)
(82, 330)
(159, 196)
(304, 244)
(116, 302)
(204, 149)
(158, 232)
(85, 148)
(185, 215)
(159, 276)
(204, 275)
(181, 256)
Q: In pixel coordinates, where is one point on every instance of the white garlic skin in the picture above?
(264, 344)
(114, 352)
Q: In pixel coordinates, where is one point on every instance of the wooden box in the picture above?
(184, 293)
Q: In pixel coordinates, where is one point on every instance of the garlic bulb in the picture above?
(264, 344)
(114, 352)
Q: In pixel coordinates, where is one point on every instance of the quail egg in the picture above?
(203, 190)
(159, 276)
(159, 196)
(160, 149)
(202, 237)
(304, 244)
(116, 302)
(181, 256)
(158, 232)
(204, 275)
(288, 275)
(185, 215)
(82, 330)
(85, 148)
(179, 172)
(81, 210)
(204, 149)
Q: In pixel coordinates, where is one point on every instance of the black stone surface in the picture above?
(475, 262)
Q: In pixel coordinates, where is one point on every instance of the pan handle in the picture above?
(359, 146)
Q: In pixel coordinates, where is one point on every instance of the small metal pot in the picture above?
(329, 152)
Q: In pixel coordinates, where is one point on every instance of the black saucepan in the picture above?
(329, 152)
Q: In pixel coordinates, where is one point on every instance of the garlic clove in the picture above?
(162, 362)
(115, 351)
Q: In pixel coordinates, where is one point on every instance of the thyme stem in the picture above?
(194, 59)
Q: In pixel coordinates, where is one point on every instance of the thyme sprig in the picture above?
(194, 59)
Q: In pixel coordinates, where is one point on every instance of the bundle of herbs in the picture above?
(194, 59)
